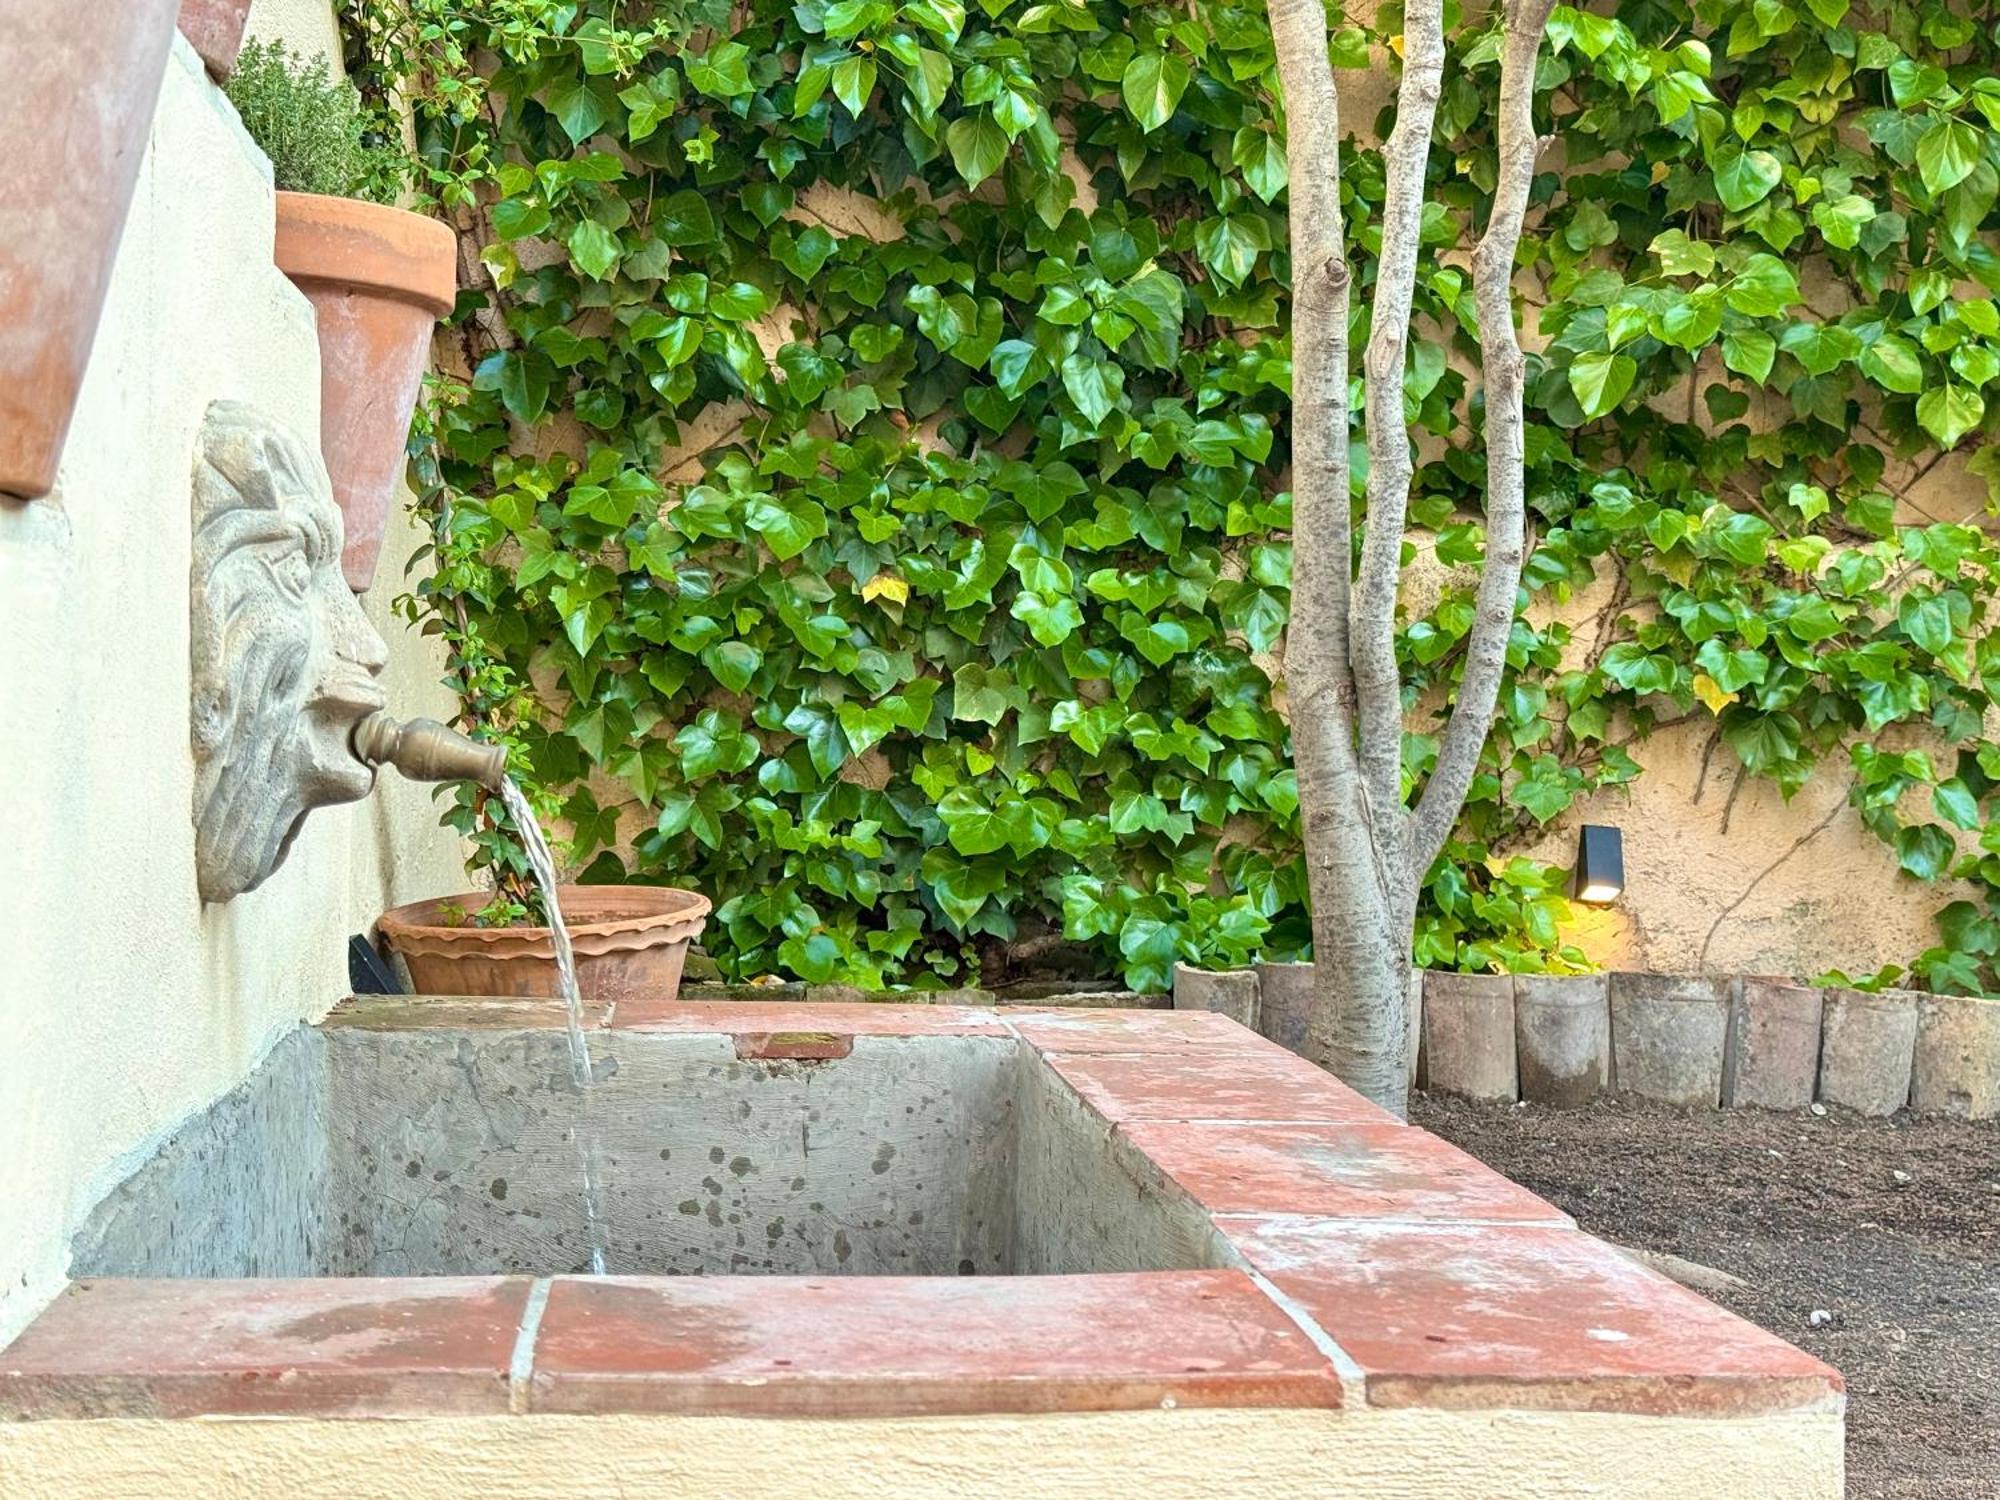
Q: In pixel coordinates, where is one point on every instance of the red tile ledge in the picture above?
(358, 1346)
(1359, 1170)
(921, 1346)
(1274, 1088)
(1523, 1317)
(1131, 1031)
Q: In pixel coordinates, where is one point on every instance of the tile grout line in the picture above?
(521, 1368)
(1345, 1366)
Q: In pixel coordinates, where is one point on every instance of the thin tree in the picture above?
(1367, 851)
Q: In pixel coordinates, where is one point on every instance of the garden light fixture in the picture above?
(1600, 865)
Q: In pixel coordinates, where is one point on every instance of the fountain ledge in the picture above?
(1356, 1267)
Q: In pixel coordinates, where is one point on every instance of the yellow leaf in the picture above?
(1659, 173)
(886, 586)
(1677, 565)
(1396, 44)
(1710, 692)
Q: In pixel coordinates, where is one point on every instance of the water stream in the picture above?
(584, 1133)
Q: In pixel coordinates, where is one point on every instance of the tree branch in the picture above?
(1406, 161)
(1506, 502)
(1318, 677)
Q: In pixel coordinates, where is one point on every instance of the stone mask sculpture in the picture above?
(285, 664)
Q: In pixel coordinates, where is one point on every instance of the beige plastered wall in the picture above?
(125, 1004)
(1150, 1455)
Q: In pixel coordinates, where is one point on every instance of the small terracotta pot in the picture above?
(76, 105)
(214, 28)
(379, 279)
(630, 940)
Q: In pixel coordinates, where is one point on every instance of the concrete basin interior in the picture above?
(420, 1150)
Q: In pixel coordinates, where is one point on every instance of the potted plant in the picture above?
(378, 277)
(628, 940)
(81, 83)
(214, 28)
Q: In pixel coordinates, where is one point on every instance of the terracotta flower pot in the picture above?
(630, 940)
(76, 106)
(379, 279)
(214, 28)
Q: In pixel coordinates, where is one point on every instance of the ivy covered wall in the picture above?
(863, 494)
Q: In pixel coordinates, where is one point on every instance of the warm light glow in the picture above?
(1596, 893)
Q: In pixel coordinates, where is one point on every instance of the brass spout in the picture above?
(424, 750)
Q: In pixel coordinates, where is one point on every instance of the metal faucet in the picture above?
(424, 750)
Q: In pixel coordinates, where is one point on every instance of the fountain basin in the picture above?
(940, 1250)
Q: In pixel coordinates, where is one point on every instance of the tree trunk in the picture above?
(1366, 853)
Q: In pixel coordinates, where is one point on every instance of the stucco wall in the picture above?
(125, 1005)
(1149, 1455)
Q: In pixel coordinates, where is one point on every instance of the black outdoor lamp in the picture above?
(1600, 864)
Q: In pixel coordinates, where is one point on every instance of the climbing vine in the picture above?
(861, 492)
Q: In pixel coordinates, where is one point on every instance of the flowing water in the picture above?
(543, 864)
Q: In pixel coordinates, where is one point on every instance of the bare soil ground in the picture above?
(1889, 1227)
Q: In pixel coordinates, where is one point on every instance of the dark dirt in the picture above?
(1809, 1212)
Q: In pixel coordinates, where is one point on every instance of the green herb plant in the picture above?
(313, 127)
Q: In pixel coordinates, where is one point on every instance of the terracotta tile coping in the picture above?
(1372, 1264)
(687, 1345)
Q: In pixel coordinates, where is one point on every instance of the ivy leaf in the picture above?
(518, 218)
(722, 72)
(1094, 385)
(978, 145)
(1600, 381)
(1745, 178)
(1947, 153)
(1924, 850)
(1956, 804)
(1763, 288)
(1763, 742)
(1841, 220)
(1738, 535)
(1051, 619)
(1820, 347)
(1926, 620)
(1152, 85)
(787, 529)
(853, 82)
(593, 248)
(1681, 256)
(577, 106)
(1751, 352)
(971, 824)
(980, 695)
(733, 663)
(685, 219)
(739, 302)
(1159, 641)
(1229, 245)
(521, 376)
(1261, 160)
(1545, 791)
(1948, 412)
(1892, 363)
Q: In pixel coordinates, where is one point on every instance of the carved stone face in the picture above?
(284, 661)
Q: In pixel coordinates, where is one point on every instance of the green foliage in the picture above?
(312, 126)
(966, 636)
